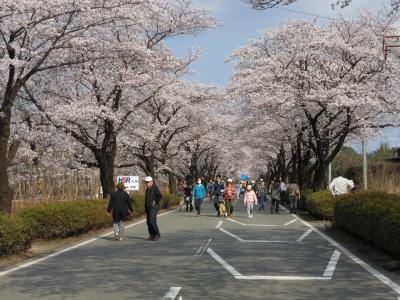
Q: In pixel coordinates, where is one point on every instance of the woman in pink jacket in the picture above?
(250, 199)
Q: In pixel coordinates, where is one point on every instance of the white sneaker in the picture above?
(251, 216)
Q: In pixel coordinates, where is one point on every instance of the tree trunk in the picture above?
(319, 176)
(106, 162)
(6, 193)
(171, 183)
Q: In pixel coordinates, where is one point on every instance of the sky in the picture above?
(241, 23)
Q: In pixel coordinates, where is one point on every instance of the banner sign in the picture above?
(131, 182)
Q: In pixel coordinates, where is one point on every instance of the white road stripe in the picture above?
(219, 224)
(395, 287)
(172, 293)
(290, 222)
(220, 260)
(203, 248)
(300, 239)
(231, 234)
(239, 276)
(330, 268)
(288, 278)
(39, 260)
(252, 241)
(254, 225)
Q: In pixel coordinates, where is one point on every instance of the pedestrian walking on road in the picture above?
(210, 190)
(152, 206)
(275, 193)
(188, 197)
(120, 207)
(218, 193)
(261, 192)
(284, 194)
(294, 196)
(181, 194)
(250, 199)
(229, 197)
(199, 194)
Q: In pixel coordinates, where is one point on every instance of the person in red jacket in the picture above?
(230, 197)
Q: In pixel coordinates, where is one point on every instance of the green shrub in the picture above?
(373, 217)
(60, 220)
(321, 204)
(14, 235)
(66, 219)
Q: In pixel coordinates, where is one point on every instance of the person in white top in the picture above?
(341, 186)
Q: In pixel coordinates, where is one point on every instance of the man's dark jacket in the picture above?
(120, 206)
(153, 195)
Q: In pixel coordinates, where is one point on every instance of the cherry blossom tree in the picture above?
(87, 66)
(326, 81)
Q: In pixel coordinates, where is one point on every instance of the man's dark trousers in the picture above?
(151, 215)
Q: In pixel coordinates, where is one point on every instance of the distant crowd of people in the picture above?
(224, 194)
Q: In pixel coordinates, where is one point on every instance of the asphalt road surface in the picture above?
(268, 257)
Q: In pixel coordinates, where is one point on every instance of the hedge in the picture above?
(320, 204)
(372, 216)
(50, 221)
(14, 235)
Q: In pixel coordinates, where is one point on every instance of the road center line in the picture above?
(172, 293)
(330, 268)
(300, 239)
(39, 260)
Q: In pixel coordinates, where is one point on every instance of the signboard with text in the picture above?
(131, 182)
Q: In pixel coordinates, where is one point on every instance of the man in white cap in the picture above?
(152, 206)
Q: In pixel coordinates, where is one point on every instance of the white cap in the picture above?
(229, 180)
(148, 179)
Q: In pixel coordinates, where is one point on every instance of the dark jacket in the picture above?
(120, 206)
(153, 194)
(218, 187)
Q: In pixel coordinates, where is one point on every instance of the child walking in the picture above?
(250, 199)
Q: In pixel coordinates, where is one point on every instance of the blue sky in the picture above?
(241, 23)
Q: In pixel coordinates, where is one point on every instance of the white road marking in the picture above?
(330, 268)
(288, 278)
(239, 276)
(290, 222)
(39, 260)
(251, 241)
(220, 260)
(395, 287)
(219, 224)
(203, 248)
(255, 225)
(172, 293)
(300, 239)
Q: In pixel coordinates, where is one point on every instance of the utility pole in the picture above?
(329, 174)
(365, 165)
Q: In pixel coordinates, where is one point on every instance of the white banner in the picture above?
(131, 182)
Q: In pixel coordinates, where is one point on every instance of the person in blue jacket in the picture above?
(199, 194)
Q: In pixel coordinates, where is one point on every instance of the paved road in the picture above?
(267, 257)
